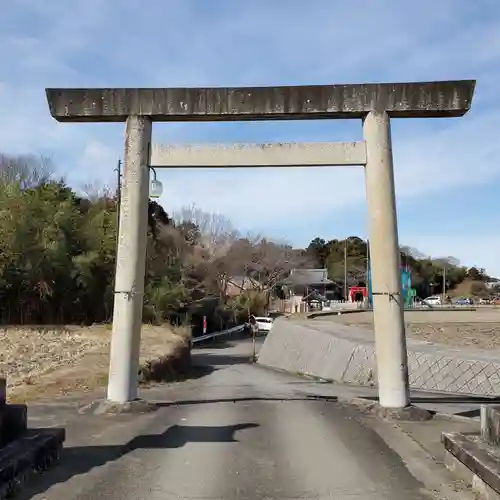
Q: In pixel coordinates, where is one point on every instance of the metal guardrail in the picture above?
(235, 329)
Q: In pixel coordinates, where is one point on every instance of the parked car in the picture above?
(433, 300)
(463, 301)
(264, 324)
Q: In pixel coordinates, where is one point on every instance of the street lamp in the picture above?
(155, 191)
(155, 186)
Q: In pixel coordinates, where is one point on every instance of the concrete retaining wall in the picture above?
(347, 354)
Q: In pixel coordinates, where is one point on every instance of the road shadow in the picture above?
(220, 344)
(81, 459)
(453, 399)
(216, 359)
(198, 371)
(188, 402)
(476, 412)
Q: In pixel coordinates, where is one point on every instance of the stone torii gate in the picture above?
(374, 104)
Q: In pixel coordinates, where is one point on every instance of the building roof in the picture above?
(314, 295)
(304, 277)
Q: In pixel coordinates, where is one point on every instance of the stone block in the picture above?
(474, 461)
(13, 422)
(491, 429)
(3, 391)
(32, 453)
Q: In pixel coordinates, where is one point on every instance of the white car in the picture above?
(264, 324)
(433, 300)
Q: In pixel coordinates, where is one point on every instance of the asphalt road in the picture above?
(243, 432)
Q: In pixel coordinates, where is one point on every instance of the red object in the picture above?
(353, 291)
(204, 324)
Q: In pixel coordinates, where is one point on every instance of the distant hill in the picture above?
(427, 272)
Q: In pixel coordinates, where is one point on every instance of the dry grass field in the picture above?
(479, 329)
(43, 362)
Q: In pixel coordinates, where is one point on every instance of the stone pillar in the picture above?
(3, 391)
(131, 261)
(388, 306)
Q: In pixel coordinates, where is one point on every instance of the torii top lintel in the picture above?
(400, 100)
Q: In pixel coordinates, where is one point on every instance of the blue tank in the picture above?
(406, 286)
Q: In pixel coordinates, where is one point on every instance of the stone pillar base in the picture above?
(408, 413)
(105, 407)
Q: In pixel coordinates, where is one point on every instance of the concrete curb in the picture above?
(336, 313)
(345, 355)
(27, 456)
(408, 414)
(104, 407)
(319, 314)
(474, 462)
(365, 402)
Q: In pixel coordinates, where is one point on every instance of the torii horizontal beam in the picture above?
(375, 104)
(399, 100)
(295, 154)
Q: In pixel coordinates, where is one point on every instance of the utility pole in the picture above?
(367, 262)
(118, 171)
(444, 283)
(367, 277)
(345, 269)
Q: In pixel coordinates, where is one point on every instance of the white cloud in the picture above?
(465, 153)
(181, 42)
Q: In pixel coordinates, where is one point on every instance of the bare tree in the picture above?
(270, 262)
(217, 232)
(447, 261)
(95, 190)
(412, 252)
(28, 170)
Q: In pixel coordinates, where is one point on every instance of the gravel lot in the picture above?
(479, 329)
(44, 362)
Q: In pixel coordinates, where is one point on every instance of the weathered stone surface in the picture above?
(347, 354)
(412, 100)
(292, 154)
(409, 413)
(478, 486)
(31, 454)
(13, 422)
(481, 461)
(492, 430)
(104, 407)
(3, 391)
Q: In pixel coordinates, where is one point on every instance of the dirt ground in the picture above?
(478, 329)
(44, 362)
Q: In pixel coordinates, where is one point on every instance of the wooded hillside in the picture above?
(57, 256)
(427, 272)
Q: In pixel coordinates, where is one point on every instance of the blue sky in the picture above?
(447, 170)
